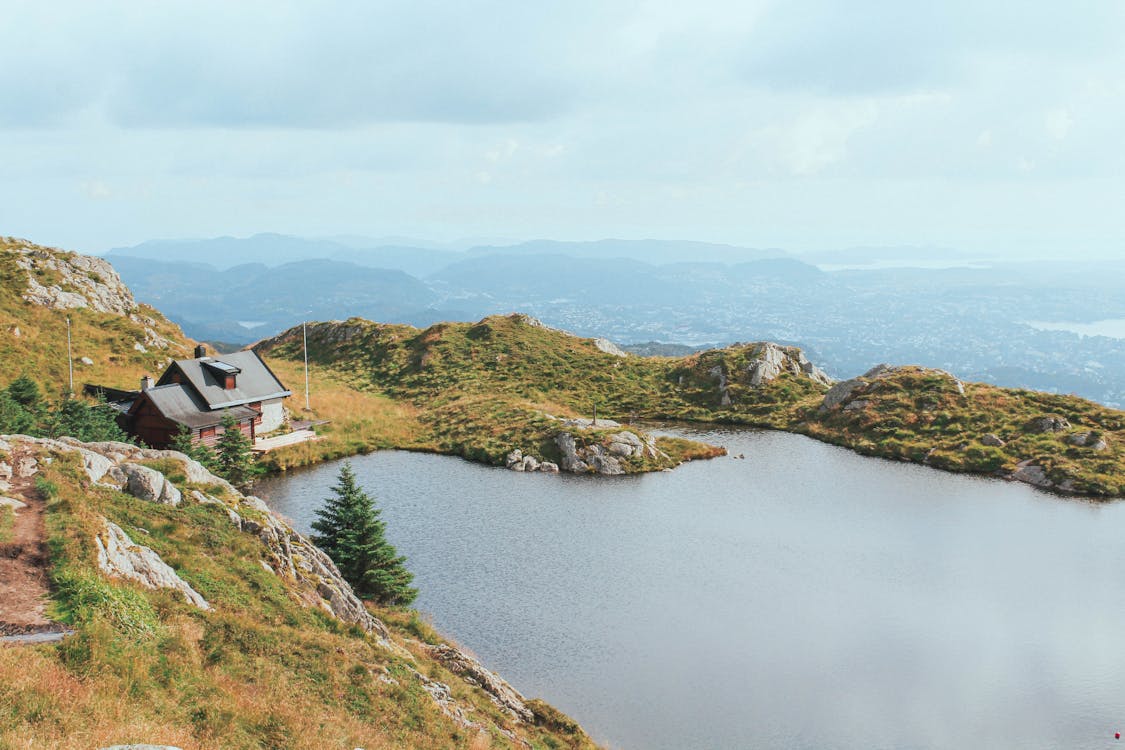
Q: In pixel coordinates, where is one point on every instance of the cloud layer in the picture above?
(810, 123)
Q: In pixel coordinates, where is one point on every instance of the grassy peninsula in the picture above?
(483, 389)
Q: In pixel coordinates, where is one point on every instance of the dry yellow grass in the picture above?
(357, 421)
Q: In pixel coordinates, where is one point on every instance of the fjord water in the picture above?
(804, 597)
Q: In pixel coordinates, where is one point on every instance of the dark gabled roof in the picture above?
(111, 395)
(179, 404)
(254, 381)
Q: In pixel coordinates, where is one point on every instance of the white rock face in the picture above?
(89, 283)
(149, 484)
(771, 360)
(473, 672)
(119, 557)
(607, 346)
(12, 503)
(602, 459)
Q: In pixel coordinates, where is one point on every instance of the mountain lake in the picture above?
(800, 597)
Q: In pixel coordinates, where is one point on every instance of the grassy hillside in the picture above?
(122, 340)
(481, 389)
(266, 667)
(927, 416)
(478, 390)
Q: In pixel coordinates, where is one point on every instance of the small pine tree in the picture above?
(86, 422)
(182, 442)
(14, 419)
(25, 392)
(352, 534)
(234, 458)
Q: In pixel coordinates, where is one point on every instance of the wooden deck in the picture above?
(265, 445)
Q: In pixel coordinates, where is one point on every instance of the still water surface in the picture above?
(804, 597)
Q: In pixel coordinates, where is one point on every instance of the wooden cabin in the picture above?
(199, 393)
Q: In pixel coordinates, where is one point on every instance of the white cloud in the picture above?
(817, 139)
(1058, 123)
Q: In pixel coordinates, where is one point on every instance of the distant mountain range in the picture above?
(853, 307)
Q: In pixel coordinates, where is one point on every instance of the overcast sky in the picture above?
(802, 124)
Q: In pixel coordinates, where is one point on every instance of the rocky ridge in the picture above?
(62, 280)
(761, 363)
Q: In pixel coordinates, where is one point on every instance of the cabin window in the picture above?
(229, 383)
(206, 433)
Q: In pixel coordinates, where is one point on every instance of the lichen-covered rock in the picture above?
(771, 360)
(607, 346)
(12, 503)
(149, 484)
(119, 556)
(841, 392)
(77, 282)
(1091, 440)
(1032, 474)
(26, 467)
(992, 440)
(1046, 424)
(473, 672)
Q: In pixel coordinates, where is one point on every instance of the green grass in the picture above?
(264, 669)
(482, 389)
(7, 521)
(40, 349)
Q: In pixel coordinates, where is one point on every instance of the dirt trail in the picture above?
(23, 560)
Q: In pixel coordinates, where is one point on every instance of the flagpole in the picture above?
(305, 342)
(69, 356)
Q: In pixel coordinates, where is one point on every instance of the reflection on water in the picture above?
(804, 597)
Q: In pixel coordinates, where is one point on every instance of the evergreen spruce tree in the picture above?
(25, 392)
(234, 458)
(351, 532)
(84, 421)
(14, 419)
(182, 442)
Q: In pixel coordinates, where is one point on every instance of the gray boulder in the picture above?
(1029, 473)
(1050, 423)
(149, 484)
(841, 392)
(1091, 440)
(992, 440)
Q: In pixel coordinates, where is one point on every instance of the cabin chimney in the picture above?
(200, 351)
(146, 383)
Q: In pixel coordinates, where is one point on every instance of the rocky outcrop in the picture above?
(517, 461)
(1030, 473)
(607, 346)
(149, 484)
(846, 392)
(473, 672)
(120, 557)
(608, 455)
(61, 280)
(770, 361)
(841, 392)
(1092, 440)
(1047, 424)
(312, 575)
(993, 441)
